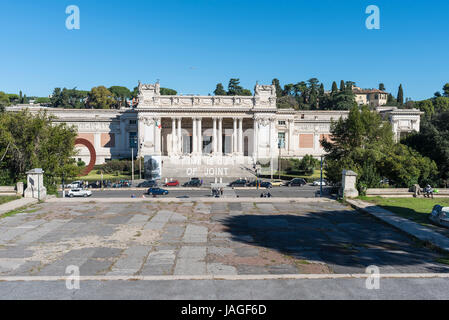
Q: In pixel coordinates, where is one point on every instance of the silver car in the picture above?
(79, 193)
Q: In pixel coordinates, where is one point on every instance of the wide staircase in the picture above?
(209, 170)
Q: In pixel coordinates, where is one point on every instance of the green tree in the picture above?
(276, 83)
(219, 90)
(100, 98)
(426, 106)
(43, 100)
(342, 85)
(13, 98)
(441, 104)
(68, 98)
(234, 88)
(287, 102)
(34, 141)
(120, 94)
(364, 143)
(168, 92)
(4, 101)
(307, 165)
(381, 87)
(334, 88)
(391, 101)
(446, 90)
(400, 98)
(433, 141)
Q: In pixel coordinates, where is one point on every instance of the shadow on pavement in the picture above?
(345, 240)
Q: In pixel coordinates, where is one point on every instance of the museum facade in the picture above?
(242, 129)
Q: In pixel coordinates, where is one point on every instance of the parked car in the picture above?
(94, 185)
(78, 193)
(147, 184)
(238, 183)
(174, 183)
(318, 183)
(440, 215)
(277, 183)
(157, 192)
(254, 183)
(194, 182)
(74, 184)
(266, 184)
(297, 182)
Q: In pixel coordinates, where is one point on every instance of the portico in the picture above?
(241, 127)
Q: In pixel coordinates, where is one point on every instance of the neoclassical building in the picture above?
(239, 130)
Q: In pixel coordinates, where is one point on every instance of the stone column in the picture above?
(140, 135)
(290, 135)
(200, 136)
(255, 139)
(271, 138)
(194, 136)
(220, 136)
(240, 142)
(179, 150)
(234, 137)
(173, 136)
(214, 135)
(157, 136)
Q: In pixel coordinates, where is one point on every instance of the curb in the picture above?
(228, 277)
(16, 204)
(182, 200)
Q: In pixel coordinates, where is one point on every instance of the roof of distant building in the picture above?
(358, 90)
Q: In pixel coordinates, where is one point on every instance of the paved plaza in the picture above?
(201, 238)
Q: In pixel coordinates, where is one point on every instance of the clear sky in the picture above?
(191, 45)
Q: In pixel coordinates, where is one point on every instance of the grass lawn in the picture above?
(8, 199)
(93, 176)
(313, 177)
(416, 209)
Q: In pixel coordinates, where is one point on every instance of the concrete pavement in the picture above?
(304, 289)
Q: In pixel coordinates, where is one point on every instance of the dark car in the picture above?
(254, 183)
(266, 184)
(238, 183)
(147, 184)
(297, 182)
(93, 185)
(157, 192)
(193, 183)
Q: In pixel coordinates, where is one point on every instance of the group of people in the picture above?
(217, 192)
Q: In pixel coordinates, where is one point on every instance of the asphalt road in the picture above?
(277, 192)
(354, 289)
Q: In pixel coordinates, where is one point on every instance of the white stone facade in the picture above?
(242, 129)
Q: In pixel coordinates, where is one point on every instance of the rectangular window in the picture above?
(281, 123)
(132, 121)
(133, 140)
(306, 141)
(281, 140)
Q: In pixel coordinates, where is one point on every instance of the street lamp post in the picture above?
(321, 178)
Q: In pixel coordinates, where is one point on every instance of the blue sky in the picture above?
(190, 45)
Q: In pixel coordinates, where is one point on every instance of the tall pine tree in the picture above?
(400, 98)
(342, 86)
(334, 88)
